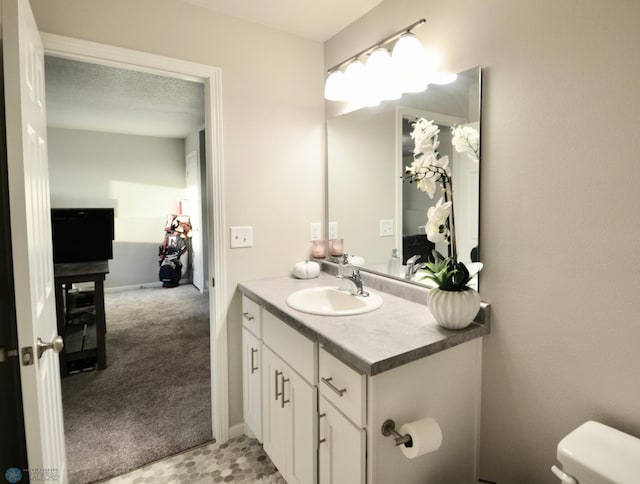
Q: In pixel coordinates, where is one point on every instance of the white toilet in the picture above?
(596, 454)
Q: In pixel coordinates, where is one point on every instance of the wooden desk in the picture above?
(94, 321)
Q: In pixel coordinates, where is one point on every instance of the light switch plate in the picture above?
(315, 231)
(386, 228)
(333, 230)
(241, 237)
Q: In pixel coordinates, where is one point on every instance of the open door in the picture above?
(195, 213)
(30, 213)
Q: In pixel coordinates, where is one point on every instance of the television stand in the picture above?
(80, 315)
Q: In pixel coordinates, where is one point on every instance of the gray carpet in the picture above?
(154, 397)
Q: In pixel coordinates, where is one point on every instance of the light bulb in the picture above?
(335, 87)
(410, 64)
(356, 83)
(382, 78)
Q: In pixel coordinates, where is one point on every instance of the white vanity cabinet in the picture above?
(444, 386)
(321, 420)
(289, 404)
(252, 366)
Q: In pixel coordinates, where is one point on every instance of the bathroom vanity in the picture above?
(317, 389)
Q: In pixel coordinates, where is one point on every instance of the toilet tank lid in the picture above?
(597, 453)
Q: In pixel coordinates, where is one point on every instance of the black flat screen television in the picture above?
(82, 234)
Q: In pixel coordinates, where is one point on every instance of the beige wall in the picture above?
(559, 191)
(559, 211)
(140, 177)
(273, 118)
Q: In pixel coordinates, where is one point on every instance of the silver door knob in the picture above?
(56, 345)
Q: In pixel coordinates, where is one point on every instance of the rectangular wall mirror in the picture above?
(369, 205)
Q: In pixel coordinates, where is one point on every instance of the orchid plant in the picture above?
(428, 170)
(466, 140)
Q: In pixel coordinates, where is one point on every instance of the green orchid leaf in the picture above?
(447, 273)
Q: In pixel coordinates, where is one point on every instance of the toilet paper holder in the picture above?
(389, 428)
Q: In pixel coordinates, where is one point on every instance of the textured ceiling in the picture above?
(101, 98)
(317, 20)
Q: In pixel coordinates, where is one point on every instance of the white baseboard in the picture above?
(183, 282)
(133, 286)
(236, 430)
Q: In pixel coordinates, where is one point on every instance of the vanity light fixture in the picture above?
(385, 76)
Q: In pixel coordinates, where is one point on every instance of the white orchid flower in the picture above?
(466, 140)
(427, 171)
(425, 136)
(437, 216)
(442, 162)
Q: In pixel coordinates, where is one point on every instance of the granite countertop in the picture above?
(399, 332)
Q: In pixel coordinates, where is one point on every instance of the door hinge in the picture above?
(213, 282)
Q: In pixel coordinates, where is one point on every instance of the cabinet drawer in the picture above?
(343, 387)
(294, 348)
(251, 316)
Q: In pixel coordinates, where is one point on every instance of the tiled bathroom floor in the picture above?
(240, 460)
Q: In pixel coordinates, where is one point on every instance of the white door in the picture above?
(341, 451)
(23, 61)
(300, 401)
(252, 382)
(466, 180)
(195, 213)
(274, 415)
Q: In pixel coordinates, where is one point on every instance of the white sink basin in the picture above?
(329, 301)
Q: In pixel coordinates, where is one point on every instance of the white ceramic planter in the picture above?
(454, 309)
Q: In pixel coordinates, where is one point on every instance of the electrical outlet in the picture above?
(241, 237)
(386, 228)
(333, 230)
(315, 231)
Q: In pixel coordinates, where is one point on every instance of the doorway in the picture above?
(86, 51)
(118, 140)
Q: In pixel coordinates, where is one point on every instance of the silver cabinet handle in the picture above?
(321, 441)
(248, 316)
(327, 381)
(253, 368)
(283, 401)
(278, 373)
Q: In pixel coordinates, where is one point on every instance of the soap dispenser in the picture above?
(394, 264)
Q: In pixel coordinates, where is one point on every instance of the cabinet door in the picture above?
(300, 402)
(252, 382)
(274, 416)
(341, 449)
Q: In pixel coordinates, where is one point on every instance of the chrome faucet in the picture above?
(345, 270)
(412, 267)
(354, 282)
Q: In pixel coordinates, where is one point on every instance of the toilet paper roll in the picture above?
(426, 436)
